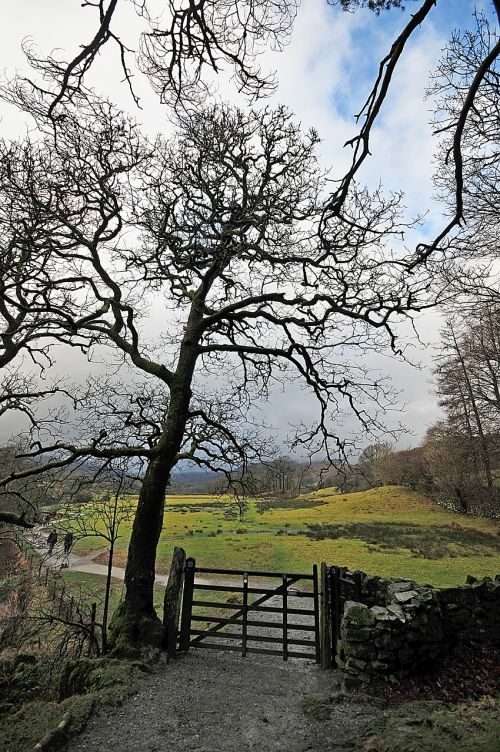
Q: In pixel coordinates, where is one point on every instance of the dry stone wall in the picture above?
(402, 628)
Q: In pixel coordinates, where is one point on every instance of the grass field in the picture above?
(387, 531)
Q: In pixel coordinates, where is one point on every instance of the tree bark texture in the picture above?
(148, 521)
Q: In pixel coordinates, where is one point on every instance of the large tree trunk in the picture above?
(135, 623)
(140, 571)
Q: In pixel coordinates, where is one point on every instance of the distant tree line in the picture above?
(459, 460)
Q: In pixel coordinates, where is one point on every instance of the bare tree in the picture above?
(221, 226)
(179, 49)
(451, 465)
(468, 382)
(482, 343)
(407, 467)
(102, 517)
(262, 272)
(371, 461)
(480, 155)
(279, 475)
(470, 270)
(35, 295)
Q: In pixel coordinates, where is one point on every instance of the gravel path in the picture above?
(220, 702)
(212, 701)
(76, 563)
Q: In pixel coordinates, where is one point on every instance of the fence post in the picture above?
(317, 648)
(335, 608)
(285, 617)
(93, 612)
(172, 599)
(325, 622)
(187, 604)
(358, 586)
(61, 600)
(245, 617)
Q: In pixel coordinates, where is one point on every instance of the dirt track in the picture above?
(211, 701)
(219, 702)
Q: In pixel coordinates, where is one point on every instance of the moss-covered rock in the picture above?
(73, 691)
(433, 725)
(34, 720)
(23, 678)
(87, 675)
(358, 615)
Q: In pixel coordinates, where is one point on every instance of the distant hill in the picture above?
(194, 481)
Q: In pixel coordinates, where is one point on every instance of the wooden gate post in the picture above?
(325, 622)
(172, 600)
(244, 626)
(187, 604)
(335, 607)
(285, 617)
(317, 649)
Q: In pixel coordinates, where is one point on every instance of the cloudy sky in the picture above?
(325, 74)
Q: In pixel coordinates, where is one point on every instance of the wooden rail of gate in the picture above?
(190, 637)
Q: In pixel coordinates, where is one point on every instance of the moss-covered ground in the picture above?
(389, 531)
(37, 694)
(431, 726)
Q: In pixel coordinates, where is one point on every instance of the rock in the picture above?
(317, 705)
(400, 587)
(406, 596)
(381, 613)
(397, 611)
(350, 683)
(362, 650)
(351, 633)
(358, 614)
(355, 663)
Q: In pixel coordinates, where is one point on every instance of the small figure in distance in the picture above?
(51, 541)
(68, 542)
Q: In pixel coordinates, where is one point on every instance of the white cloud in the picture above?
(322, 76)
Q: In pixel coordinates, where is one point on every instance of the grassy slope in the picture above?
(397, 532)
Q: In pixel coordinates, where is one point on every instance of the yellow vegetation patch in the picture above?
(389, 531)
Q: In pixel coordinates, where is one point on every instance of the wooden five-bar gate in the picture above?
(294, 633)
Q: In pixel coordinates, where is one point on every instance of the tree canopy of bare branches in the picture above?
(479, 165)
(184, 45)
(219, 228)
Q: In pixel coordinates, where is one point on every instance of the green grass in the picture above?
(390, 531)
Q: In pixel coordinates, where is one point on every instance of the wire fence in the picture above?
(64, 605)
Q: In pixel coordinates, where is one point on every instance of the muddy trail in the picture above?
(211, 702)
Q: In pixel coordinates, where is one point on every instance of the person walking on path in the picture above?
(68, 542)
(51, 541)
